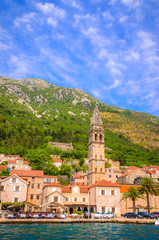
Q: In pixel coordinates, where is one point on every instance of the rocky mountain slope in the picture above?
(33, 111)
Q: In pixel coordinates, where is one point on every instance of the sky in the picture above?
(108, 48)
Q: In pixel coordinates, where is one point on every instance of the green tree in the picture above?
(133, 194)
(65, 170)
(51, 170)
(148, 187)
(119, 156)
(81, 161)
(4, 172)
(38, 158)
(107, 164)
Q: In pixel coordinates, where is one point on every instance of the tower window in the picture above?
(96, 170)
(100, 157)
(95, 136)
(101, 170)
(101, 137)
(96, 156)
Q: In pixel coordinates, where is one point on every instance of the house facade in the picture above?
(13, 189)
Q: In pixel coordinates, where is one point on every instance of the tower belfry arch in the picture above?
(96, 148)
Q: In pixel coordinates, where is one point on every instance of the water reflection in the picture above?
(108, 231)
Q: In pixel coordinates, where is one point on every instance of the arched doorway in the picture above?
(137, 180)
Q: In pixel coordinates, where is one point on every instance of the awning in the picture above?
(25, 202)
(54, 205)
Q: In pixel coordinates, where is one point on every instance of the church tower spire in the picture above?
(96, 148)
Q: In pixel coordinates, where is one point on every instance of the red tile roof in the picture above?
(3, 167)
(57, 160)
(53, 185)
(104, 183)
(127, 173)
(132, 167)
(77, 176)
(11, 161)
(66, 189)
(26, 162)
(48, 176)
(27, 173)
(124, 188)
(77, 184)
(19, 158)
(83, 189)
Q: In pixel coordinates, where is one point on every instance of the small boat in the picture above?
(157, 222)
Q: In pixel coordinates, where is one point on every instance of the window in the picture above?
(75, 190)
(55, 199)
(101, 137)
(95, 136)
(95, 170)
(37, 196)
(102, 192)
(67, 199)
(83, 200)
(33, 178)
(112, 192)
(103, 209)
(17, 188)
(54, 179)
(116, 176)
(101, 170)
(109, 170)
(31, 196)
(96, 156)
(100, 157)
(13, 180)
(38, 186)
(53, 189)
(2, 188)
(47, 180)
(16, 199)
(75, 199)
(32, 186)
(113, 209)
(110, 175)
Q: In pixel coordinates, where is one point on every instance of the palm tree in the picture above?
(148, 187)
(133, 194)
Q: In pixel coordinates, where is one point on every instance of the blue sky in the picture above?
(108, 48)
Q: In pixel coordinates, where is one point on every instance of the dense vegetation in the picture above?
(34, 112)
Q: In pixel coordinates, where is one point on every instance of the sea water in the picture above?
(78, 231)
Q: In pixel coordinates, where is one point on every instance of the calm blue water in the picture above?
(78, 231)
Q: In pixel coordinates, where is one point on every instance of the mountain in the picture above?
(33, 112)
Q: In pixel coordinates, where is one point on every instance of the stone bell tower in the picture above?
(96, 149)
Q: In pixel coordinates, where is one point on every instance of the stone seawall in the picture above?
(69, 220)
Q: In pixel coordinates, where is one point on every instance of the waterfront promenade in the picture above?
(78, 220)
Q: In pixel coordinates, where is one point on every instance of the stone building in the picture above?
(105, 196)
(132, 176)
(96, 149)
(34, 179)
(13, 189)
(141, 204)
(62, 146)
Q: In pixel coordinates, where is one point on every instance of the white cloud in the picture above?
(51, 21)
(26, 18)
(51, 9)
(72, 3)
(115, 84)
(21, 66)
(107, 16)
(86, 24)
(123, 19)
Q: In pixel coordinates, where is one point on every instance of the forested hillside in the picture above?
(33, 112)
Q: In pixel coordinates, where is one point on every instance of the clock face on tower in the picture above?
(98, 163)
